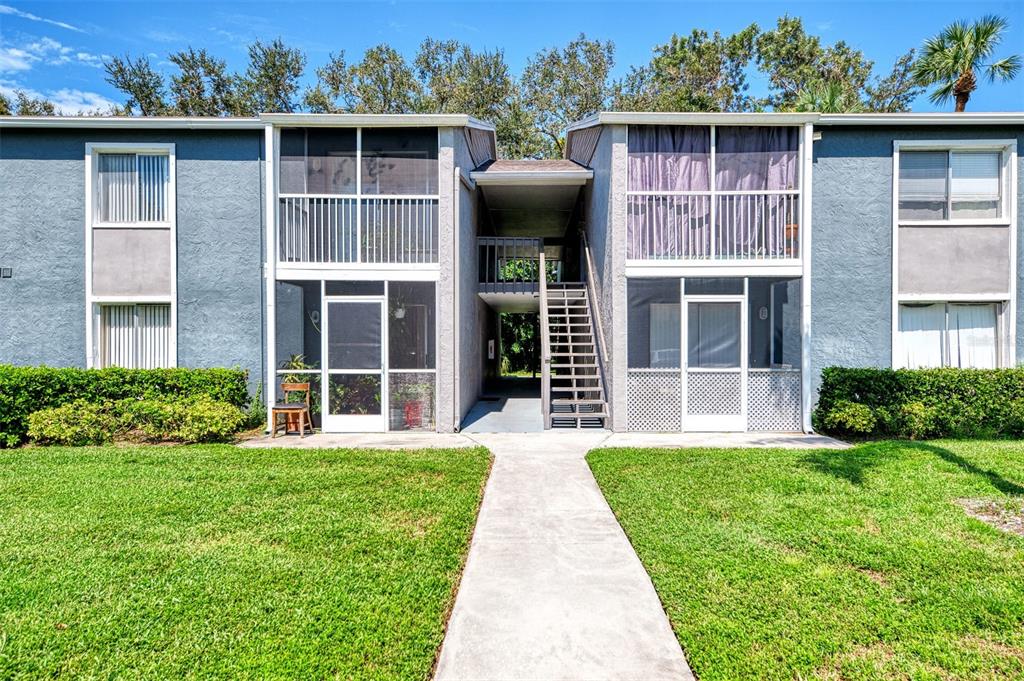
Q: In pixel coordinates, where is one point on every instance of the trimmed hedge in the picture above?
(921, 403)
(24, 390)
(189, 419)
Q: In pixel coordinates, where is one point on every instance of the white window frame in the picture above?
(1007, 150)
(98, 355)
(1008, 147)
(93, 302)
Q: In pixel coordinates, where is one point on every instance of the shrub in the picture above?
(850, 418)
(24, 390)
(75, 424)
(919, 403)
(196, 419)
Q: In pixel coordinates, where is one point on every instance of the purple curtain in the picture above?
(668, 158)
(756, 158)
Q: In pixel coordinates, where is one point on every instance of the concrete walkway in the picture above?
(552, 588)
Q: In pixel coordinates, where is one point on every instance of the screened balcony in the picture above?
(713, 193)
(358, 196)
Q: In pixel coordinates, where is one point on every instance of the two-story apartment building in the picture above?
(689, 271)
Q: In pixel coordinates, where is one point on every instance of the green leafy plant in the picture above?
(924, 403)
(850, 418)
(25, 390)
(75, 424)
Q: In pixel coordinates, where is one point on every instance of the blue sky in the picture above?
(56, 48)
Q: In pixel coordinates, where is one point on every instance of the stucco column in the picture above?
(447, 361)
(616, 373)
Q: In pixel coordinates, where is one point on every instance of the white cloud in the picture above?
(13, 59)
(7, 9)
(45, 50)
(68, 101)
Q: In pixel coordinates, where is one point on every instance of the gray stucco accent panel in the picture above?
(42, 240)
(131, 262)
(219, 245)
(954, 260)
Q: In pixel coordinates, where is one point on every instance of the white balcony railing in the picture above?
(349, 229)
(736, 225)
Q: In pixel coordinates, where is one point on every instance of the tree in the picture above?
(793, 60)
(5, 105)
(952, 59)
(827, 97)
(896, 91)
(458, 80)
(564, 85)
(271, 80)
(143, 85)
(699, 72)
(383, 82)
(202, 87)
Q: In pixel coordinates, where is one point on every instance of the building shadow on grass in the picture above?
(853, 464)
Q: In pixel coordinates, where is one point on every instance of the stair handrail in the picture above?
(595, 314)
(545, 341)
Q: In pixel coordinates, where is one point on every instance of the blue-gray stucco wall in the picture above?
(219, 197)
(851, 259)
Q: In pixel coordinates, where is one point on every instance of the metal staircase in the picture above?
(574, 387)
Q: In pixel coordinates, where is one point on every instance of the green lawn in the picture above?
(161, 562)
(836, 565)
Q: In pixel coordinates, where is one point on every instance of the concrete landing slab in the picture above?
(505, 415)
(725, 440)
(552, 588)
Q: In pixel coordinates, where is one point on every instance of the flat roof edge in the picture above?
(159, 122)
(378, 120)
(931, 118)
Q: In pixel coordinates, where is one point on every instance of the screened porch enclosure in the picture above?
(714, 354)
(358, 195)
(368, 349)
(713, 193)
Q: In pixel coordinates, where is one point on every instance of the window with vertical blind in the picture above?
(963, 335)
(132, 188)
(135, 336)
(950, 184)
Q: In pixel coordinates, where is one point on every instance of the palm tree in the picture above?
(952, 58)
(827, 97)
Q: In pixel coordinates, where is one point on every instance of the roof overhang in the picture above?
(376, 120)
(692, 118)
(938, 118)
(132, 122)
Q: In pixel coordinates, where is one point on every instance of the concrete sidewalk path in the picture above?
(552, 588)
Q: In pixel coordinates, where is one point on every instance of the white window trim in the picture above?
(1009, 150)
(93, 302)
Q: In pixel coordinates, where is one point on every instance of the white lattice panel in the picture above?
(654, 401)
(773, 401)
(714, 393)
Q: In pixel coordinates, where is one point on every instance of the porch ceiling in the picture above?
(531, 198)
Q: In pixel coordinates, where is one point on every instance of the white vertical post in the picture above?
(271, 135)
(806, 183)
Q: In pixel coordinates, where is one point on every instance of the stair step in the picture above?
(570, 400)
